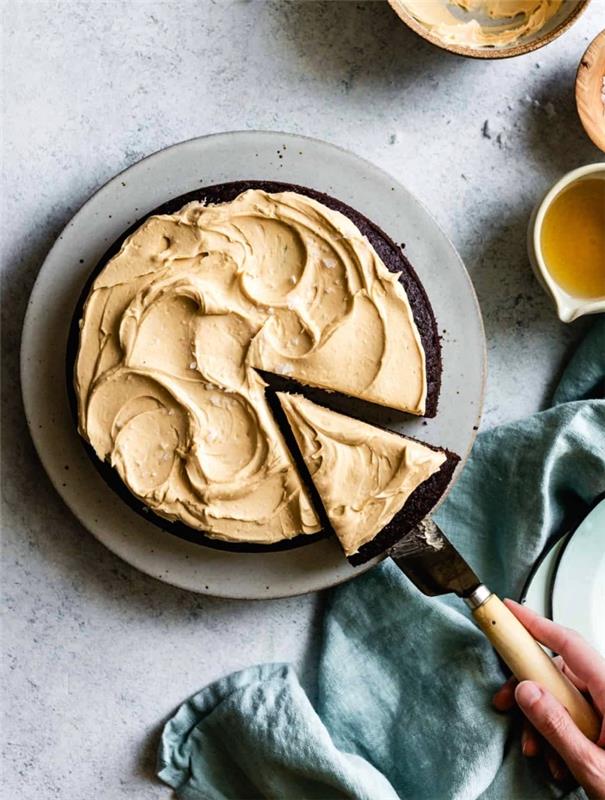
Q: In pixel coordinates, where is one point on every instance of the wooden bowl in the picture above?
(568, 15)
(590, 91)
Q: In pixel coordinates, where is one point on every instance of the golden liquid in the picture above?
(573, 238)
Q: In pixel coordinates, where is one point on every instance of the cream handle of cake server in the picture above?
(527, 660)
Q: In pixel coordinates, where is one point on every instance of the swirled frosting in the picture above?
(516, 18)
(176, 324)
(363, 474)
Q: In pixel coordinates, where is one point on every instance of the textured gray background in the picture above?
(96, 655)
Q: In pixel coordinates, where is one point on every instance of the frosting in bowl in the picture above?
(176, 325)
(363, 474)
(506, 21)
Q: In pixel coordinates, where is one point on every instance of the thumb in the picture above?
(551, 719)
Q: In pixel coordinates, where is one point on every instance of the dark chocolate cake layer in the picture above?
(394, 260)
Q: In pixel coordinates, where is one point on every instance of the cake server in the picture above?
(434, 565)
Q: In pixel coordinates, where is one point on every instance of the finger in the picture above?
(585, 760)
(556, 767)
(566, 670)
(504, 699)
(580, 657)
(530, 741)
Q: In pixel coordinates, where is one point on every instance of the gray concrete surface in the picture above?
(97, 655)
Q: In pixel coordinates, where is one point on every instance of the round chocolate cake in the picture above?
(123, 404)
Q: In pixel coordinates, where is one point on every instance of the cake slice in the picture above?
(374, 485)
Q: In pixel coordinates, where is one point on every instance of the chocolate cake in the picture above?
(392, 257)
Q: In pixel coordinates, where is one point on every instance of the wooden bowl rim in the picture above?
(488, 53)
(584, 107)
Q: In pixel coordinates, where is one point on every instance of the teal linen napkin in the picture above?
(404, 681)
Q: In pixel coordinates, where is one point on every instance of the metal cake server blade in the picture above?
(434, 565)
(432, 562)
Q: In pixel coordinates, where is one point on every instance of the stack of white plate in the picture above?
(568, 582)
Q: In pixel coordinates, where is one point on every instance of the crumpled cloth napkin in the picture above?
(404, 682)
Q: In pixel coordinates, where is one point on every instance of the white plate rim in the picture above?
(116, 542)
(573, 602)
(537, 591)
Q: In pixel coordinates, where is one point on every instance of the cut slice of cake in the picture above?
(374, 484)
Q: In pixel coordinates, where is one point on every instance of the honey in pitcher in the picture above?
(573, 238)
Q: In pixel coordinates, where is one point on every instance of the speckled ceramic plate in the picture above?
(174, 171)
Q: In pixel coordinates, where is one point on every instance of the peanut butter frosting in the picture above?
(493, 23)
(176, 325)
(364, 475)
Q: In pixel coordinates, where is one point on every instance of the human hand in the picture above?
(566, 749)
